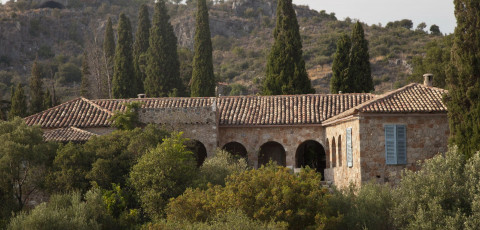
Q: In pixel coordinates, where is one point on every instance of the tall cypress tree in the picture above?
(123, 83)
(163, 66)
(47, 100)
(286, 73)
(84, 92)
(203, 80)
(140, 46)
(18, 106)
(463, 79)
(359, 76)
(36, 89)
(109, 55)
(340, 64)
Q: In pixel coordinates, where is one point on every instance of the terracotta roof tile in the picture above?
(413, 98)
(67, 134)
(79, 112)
(241, 110)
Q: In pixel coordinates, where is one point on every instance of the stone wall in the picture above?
(100, 131)
(427, 135)
(198, 123)
(290, 137)
(337, 171)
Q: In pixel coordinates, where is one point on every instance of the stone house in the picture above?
(349, 138)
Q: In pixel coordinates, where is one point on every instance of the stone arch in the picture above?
(311, 153)
(339, 150)
(272, 151)
(236, 149)
(334, 153)
(198, 149)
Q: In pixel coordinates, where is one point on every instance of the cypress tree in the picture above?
(18, 103)
(36, 89)
(286, 73)
(85, 74)
(123, 83)
(140, 46)
(359, 75)
(203, 80)
(463, 79)
(163, 66)
(340, 64)
(47, 100)
(109, 55)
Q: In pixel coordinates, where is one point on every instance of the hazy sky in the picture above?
(439, 12)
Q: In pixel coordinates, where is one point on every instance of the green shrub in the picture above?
(163, 173)
(267, 194)
(367, 207)
(231, 220)
(444, 194)
(217, 168)
(65, 212)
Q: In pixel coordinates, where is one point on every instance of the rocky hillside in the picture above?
(241, 36)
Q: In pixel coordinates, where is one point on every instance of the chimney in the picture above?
(142, 95)
(428, 79)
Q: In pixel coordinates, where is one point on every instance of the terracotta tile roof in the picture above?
(113, 105)
(242, 110)
(413, 98)
(285, 110)
(78, 113)
(67, 134)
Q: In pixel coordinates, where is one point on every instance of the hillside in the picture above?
(241, 36)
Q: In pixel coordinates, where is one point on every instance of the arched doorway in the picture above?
(198, 150)
(272, 151)
(236, 149)
(311, 153)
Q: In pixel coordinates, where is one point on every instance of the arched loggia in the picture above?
(272, 151)
(198, 149)
(236, 149)
(311, 153)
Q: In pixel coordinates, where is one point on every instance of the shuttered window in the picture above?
(349, 148)
(395, 144)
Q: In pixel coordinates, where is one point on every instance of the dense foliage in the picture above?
(286, 72)
(269, 193)
(203, 80)
(163, 173)
(463, 79)
(18, 103)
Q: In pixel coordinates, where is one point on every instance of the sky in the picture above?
(439, 12)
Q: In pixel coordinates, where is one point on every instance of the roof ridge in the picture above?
(97, 106)
(369, 102)
(54, 107)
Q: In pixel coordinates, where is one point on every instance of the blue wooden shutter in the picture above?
(349, 148)
(401, 144)
(390, 143)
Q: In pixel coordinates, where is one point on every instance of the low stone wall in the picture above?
(198, 123)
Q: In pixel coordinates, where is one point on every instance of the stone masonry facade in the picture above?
(285, 129)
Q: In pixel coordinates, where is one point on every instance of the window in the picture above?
(349, 148)
(395, 144)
